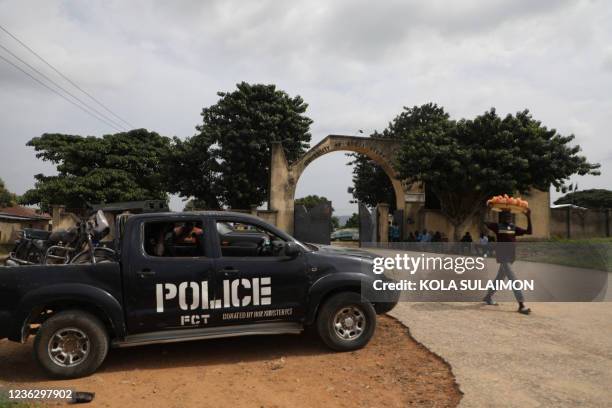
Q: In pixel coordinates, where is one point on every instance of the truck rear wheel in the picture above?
(346, 322)
(71, 344)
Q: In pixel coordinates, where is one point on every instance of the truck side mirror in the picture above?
(292, 249)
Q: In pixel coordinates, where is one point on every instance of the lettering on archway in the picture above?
(284, 177)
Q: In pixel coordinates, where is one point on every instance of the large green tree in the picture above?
(466, 162)
(234, 141)
(371, 185)
(353, 221)
(7, 199)
(593, 198)
(192, 171)
(117, 167)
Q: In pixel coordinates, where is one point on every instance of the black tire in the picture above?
(73, 322)
(336, 307)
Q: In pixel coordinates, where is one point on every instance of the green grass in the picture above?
(6, 403)
(593, 253)
(602, 240)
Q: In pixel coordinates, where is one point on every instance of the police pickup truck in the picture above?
(188, 276)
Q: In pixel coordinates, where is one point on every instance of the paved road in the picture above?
(552, 282)
(561, 355)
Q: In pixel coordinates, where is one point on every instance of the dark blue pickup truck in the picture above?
(188, 276)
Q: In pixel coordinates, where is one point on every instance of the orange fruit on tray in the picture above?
(506, 203)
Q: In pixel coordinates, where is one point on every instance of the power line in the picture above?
(62, 95)
(66, 78)
(56, 92)
(62, 88)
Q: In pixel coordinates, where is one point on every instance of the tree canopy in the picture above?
(466, 162)
(117, 167)
(371, 185)
(335, 222)
(195, 205)
(7, 199)
(230, 155)
(593, 198)
(192, 171)
(352, 222)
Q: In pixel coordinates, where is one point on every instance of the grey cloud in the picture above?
(607, 63)
(386, 26)
(356, 63)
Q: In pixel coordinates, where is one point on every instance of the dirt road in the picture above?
(275, 371)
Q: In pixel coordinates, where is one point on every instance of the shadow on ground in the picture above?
(20, 366)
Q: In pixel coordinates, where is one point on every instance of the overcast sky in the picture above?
(355, 63)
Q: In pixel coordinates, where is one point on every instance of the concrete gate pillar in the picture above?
(282, 189)
(382, 212)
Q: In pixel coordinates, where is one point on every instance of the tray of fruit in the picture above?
(505, 203)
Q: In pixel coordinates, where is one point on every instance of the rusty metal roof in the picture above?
(22, 213)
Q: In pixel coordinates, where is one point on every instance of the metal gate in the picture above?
(367, 225)
(398, 219)
(313, 225)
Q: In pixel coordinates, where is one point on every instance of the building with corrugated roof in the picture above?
(14, 219)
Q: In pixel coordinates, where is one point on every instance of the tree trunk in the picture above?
(458, 231)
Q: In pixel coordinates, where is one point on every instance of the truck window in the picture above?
(174, 238)
(242, 239)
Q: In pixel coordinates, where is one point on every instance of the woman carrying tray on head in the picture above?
(506, 233)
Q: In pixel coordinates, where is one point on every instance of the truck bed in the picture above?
(23, 288)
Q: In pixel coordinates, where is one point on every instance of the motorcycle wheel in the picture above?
(28, 253)
(101, 255)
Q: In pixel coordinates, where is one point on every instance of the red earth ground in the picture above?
(272, 371)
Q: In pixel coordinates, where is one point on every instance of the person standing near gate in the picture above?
(394, 233)
(506, 233)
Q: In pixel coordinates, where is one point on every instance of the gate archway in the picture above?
(284, 176)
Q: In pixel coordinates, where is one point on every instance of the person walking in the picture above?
(506, 233)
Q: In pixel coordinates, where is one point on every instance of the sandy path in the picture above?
(274, 371)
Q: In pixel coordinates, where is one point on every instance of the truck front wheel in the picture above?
(346, 322)
(71, 344)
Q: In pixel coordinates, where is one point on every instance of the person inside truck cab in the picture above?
(163, 239)
(187, 233)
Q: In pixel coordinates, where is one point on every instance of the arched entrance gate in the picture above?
(284, 177)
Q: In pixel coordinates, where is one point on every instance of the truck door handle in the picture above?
(230, 272)
(145, 273)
